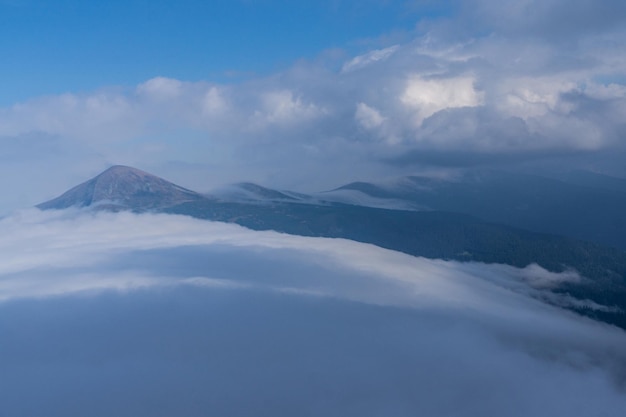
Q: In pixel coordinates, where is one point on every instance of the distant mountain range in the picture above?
(583, 206)
(485, 217)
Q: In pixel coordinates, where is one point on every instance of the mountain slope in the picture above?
(253, 193)
(442, 235)
(431, 234)
(545, 205)
(594, 180)
(122, 187)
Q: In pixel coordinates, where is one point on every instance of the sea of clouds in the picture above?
(124, 314)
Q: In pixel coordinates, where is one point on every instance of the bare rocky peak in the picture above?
(121, 187)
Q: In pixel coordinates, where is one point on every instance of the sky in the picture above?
(151, 314)
(306, 95)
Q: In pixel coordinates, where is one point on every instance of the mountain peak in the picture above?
(123, 188)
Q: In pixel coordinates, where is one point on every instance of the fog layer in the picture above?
(122, 314)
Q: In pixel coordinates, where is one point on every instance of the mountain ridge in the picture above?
(435, 234)
(590, 209)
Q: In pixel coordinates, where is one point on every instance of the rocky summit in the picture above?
(121, 187)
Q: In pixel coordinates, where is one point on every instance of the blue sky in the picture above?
(53, 47)
(306, 95)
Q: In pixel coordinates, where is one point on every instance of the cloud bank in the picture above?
(131, 314)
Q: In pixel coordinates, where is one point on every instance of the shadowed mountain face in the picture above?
(121, 187)
(432, 234)
(582, 206)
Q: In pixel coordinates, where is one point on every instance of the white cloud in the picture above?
(98, 115)
(120, 298)
(428, 96)
(161, 88)
(538, 277)
(533, 97)
(284, 108)
(214, 102)
(368, 117)
(530, 84)
(362, 61)
(63, 239)
(606, 91)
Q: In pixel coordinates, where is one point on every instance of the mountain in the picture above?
(595, 180)
(254, 193)
(121, 187)
(432, 234)
(591, 208)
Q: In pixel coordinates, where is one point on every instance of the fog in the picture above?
(123, 314)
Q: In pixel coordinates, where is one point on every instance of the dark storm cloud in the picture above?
(552, 18)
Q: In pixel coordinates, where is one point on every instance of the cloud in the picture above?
(538, 277)
(368, 117)
(369, 58)
(552, 19)
(198, 315)
(72, 240)
(494, 81)
(431, 96)
(282, 108)
(161, 88)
